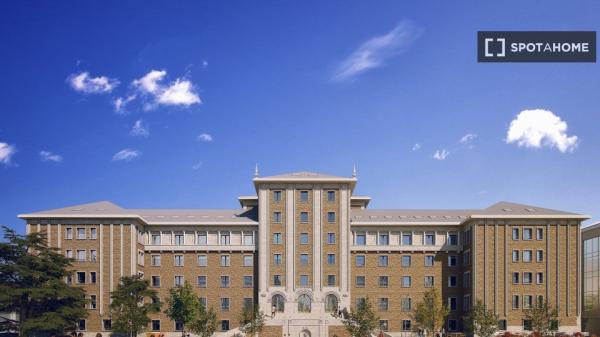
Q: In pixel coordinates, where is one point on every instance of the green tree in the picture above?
(205, 323)
(182, 305)
(480, 321)
(362, 321)
(543, 317)
(132, 301)
(430, 314)
(32, 284)
(251, 320)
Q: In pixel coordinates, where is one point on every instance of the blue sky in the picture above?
(208, 89)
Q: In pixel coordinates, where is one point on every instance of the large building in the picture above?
(591, 279)
(305, 246)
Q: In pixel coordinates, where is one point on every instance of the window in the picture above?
(527, 326)
(155, 260)
(452, 261)
(360, 301)
(429, 281)
(155, 325)
(453, 239)
(80, 233)
(93, 255)
(383, 325)
(225, 239)
(527, 254)
(107, 324)
(515, 256)
(156, 239)
(303, 238)
(430, 239)
(276, 280)
(539, 278)
(502, 325)
(406, 304)
(69, 233)
(92, 277)
(515, 278)
(202, 239)
(527, 277)
(178, 326)
(68, 279)
(69, 254)
(224, 303)
(277, 238)
(156, 281)
(527, 301)
(452, 281)
(202, 261)
(248, 239)
(93, 233)
(452, 303)
(304, 280)
(178, 260)
(304, 196)
(304, 259)
(539, 234)
(383, 239)
(81, 325)
(225, 261)
(224, 281)
(178, 281)
(383, 260)
(81, 255)
(466, 302)
(406, 325)
(406, 281)
(527, 234)
(80, 277)
(407, 238)
(202, 301)
(383, 281)
(539, 300)
(248, 303)
(248, 260)
(539, 256)
(277, 217)
(360, 281)
(331, 217)
(93, 302)
(466, 258)
(278, 303)
(406, 260)
(360, 260)
(304, 217)
(304, 303)
(467, 279)
(331, 303)
(330, 196)
(330, 259)
(452, 325)
(515, 234)
(429, 260)
(361, 239)
(277, 259)
(330, 280)
(224, 325)
(330, 238)
(277, 196)
(383, 304)
(202, 281)
(179, 239)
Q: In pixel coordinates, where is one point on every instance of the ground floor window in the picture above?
(452, 325)
(406, 325)
(304, 303)
(106, 324)
(155, 325)
(81, 325)
(178, 326)
(278, 303)
(224, 325)
(527, 324)
(502, 324)
(383, 325)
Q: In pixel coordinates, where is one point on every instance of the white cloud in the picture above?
(6, 153)
(140, 129)
(374, 52)
(540, 128)
(121, 102)
(441, 154)
(126, 155)
(204, 63)
(204, 137)
(468, 138)
(49, 156)
(416, 147)
(180, 92)
(83, 82)
(197, 166)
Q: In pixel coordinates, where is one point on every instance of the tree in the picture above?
(430, 314)
(543, 317)
(205, 323)
(132, 301)
(361, 322)
(480, 321)
(32, 284)
(182, 305)
(252, 320)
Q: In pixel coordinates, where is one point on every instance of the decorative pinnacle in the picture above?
(354, 171)
(256, 170)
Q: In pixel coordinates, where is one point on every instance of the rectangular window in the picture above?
(406, 304)
(384, 239)
(361, 239)
(407, 239)
(539, 256)
(383, 281)
(178, 260)
(304, 196)
(277, 259)
(92, 277)
(466, 302)
(202, 261)
(156, 239)
(452, 303)
(224, 325)
(225, 261)
(248, 239)
(107, 325)
(360, 301)
(93, 304)
(540, 278)
(248, 260)
(452, 325)
(276, 238)
(383, 260)
(304, 259)
(406, 281)
(69, 254)
(330, 280)
(406, 261)
(93, 233)
(93, 255)
(248, 303)
(331, 217)
(430, 239)
(383, 325)
(330, 196)
(515, 256)
(330, 259)
(277, 196)
(224, 281)
(330, 238)
(202, 281)
(527, 301)
(277, 217)
(178, 281)
(81, 325)
(515, 278)
(516, 302)
(360, 260)
(178, 326)
(527, 277)
(303, 238)
(429, 260)
(406, 325)
(515, 234)
(202, 239)
(452, 261)
(179, 239)
(453, 239)
(539, 234)
(527, 326)
(81, 255)
(276, 280)
(429, 281)
(155, 281)
(527, 234)
(304, 280)
(539, 300)
(203, 301)
(80, 277)
(155, 325)
(452, 281)
(225, 304)
(527, 254)
(360, 281)
(466, 258)
(304, 217)
(225, 239)
(467, 279)
(384, 304)
(69, 233)
(80, 233)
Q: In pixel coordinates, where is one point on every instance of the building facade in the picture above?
(305, 247)
(591, 279)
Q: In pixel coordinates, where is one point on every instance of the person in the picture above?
(98, 335)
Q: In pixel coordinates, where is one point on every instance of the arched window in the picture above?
(304, 303)
(278, 303)
(331, 303)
